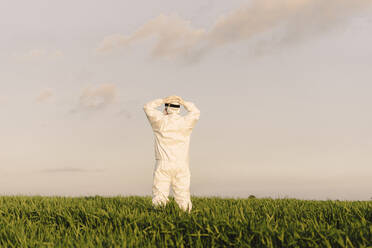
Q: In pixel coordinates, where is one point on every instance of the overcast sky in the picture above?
(284, 88)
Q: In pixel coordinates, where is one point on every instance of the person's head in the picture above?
(172, 108)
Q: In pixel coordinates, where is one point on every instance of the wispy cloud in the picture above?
(290, 21)
(124, 112)
(56, 53)
(93, 98)
(44, 96)
(37, 53)
(69, 169)
(175, 36)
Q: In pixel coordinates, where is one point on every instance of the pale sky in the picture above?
(284, 88)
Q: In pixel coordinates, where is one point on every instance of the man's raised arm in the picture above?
(193, 112)
(151, 112)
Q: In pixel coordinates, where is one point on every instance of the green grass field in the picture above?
(214, 222)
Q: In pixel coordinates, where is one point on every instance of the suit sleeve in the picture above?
(153, 115)
(193, 114)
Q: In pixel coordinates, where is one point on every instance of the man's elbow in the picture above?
(145, 107)
(197, 114)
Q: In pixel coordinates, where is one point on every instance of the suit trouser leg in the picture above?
(161, 184)
(181, 188)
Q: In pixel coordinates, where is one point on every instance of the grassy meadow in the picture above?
(38, 221)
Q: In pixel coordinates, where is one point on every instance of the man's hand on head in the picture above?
(173, 99)
(168, 99)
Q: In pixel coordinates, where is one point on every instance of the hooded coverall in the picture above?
(172, 138)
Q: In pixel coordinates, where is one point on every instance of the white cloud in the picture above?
(175, 36)
(112, 41)
(296, 19)
(37, 53)
(56, 53)
(97, 97)
(44, 95)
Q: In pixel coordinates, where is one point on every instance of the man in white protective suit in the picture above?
(172, 138)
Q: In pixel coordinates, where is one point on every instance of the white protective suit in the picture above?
(172, 138)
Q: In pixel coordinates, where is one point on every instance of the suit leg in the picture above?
(160, 188)
(181, 188)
